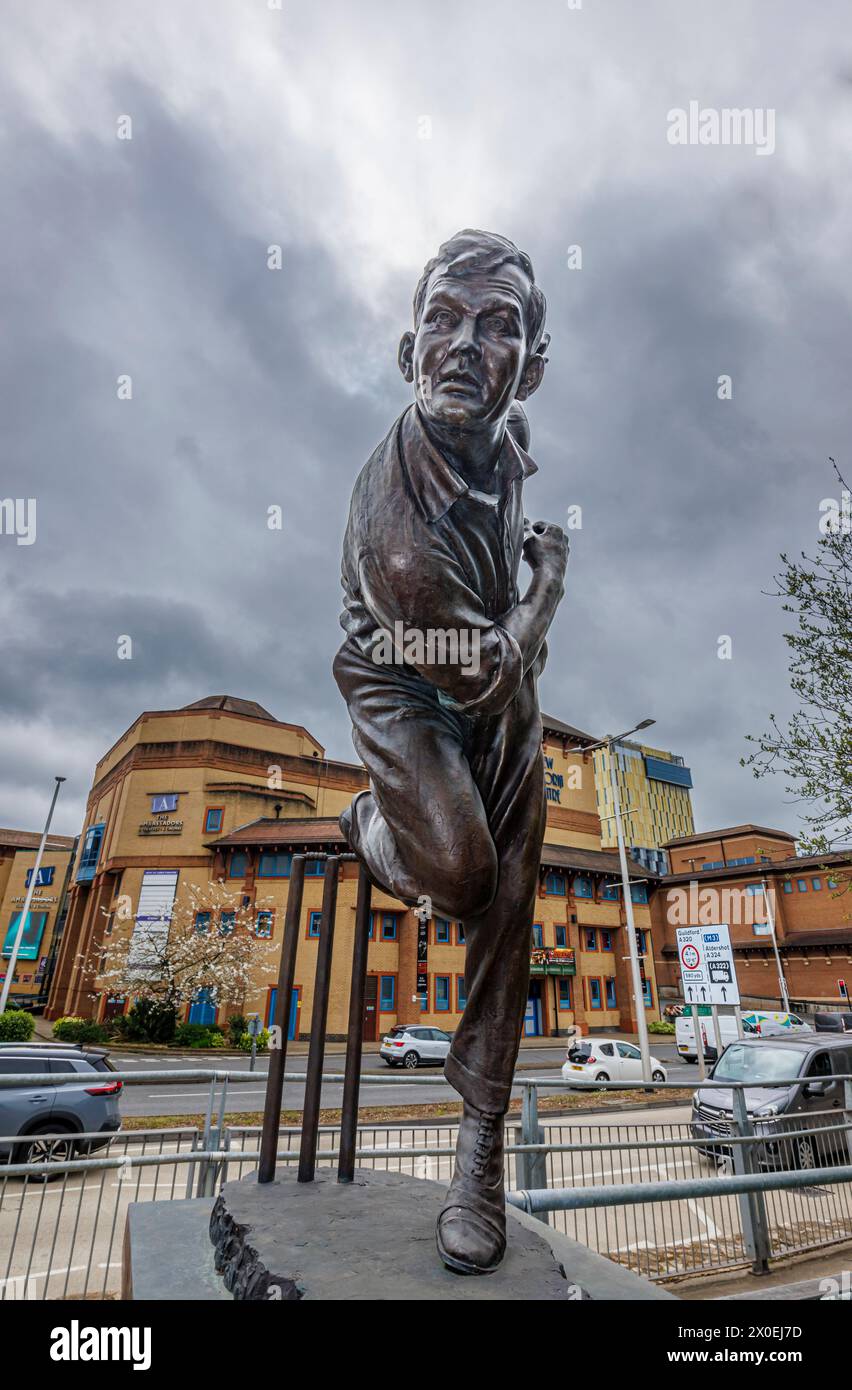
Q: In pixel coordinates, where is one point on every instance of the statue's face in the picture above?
(468, 357)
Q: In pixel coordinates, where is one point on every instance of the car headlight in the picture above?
(765, 1110)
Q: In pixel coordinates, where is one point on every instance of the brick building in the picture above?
(223, 790)
(18, 849)
(739, 876)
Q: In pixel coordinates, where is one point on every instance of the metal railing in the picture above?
(651, 1194)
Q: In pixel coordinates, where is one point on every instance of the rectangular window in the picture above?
(272, 864)
(610, 993)
(314, 868)
(265, 921)
(388, 926)
(564, 994)
(594, 993)
(461, 994)
(314, 922)
(639, 892)
(788, 887)
(227, 922)
(91, 853)
(238, 864)
(442, 994)
(561, 936)
(817, 884)
(802, 884)
(202, 922)
(609, 891)
(537, 935)
(213, 819)
(442, 931)
(606, 940)
(590, 938)
(555, 883)
(387, 994)
(459, 933)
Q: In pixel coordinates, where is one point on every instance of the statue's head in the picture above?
(478, 342)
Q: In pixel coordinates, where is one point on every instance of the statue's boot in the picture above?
(471, 1230)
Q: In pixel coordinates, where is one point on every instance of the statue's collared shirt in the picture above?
(424, 552)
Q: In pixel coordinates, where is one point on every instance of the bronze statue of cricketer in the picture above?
(439, 671)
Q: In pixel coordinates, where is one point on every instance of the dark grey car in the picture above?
(31, 1114)
(795, 1122)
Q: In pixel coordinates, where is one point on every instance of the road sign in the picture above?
(842, 990)
(707, 965)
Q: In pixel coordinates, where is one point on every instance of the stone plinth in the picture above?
(374, 1240)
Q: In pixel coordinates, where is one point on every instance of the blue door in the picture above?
(532, 1016)
(294, 1010)
(202, 1009)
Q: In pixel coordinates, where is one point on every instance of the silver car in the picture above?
(38, 1123)
(410, 1044)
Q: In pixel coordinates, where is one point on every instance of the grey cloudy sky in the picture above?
(302, 126)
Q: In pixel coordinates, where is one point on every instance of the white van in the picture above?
(756, 1023)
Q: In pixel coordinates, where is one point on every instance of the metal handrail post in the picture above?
(752, 1204)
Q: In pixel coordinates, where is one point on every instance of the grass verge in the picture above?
(585, 1102)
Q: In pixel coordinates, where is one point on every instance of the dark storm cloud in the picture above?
(254, 388)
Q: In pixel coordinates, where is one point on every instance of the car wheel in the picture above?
(658, 1076)
(410, 1060)
(602, 1076)
(389, 1062)
(48, 1144)
(803, 1153)
(693, 1061)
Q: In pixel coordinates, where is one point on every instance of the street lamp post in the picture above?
(609, 744)
(25, 911)
(770, 917)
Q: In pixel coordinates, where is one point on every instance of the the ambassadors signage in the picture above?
(44, 877)
(161, 827)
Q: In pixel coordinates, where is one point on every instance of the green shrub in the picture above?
(148, 1021)
(16, 1025)
(237, 1025)
(661, 1027)
(79, 1030)
(262, 1041)
(199, 1035)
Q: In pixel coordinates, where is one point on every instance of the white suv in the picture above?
(409, 1044)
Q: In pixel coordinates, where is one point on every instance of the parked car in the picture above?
(31, 1114)
(789, 1114)
(607, 1059)
(409, 1045)
(833, 1023)
(756, 1023)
